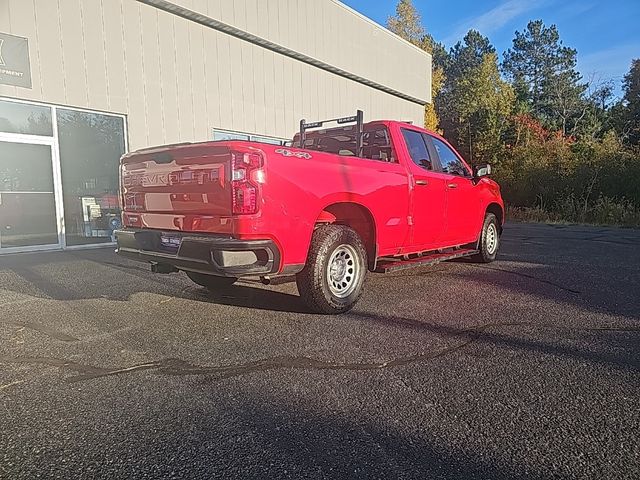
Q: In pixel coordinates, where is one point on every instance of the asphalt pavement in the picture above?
(527, 368)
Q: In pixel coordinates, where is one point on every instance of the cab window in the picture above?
(417, 149)
(376, 143)
(449, 161)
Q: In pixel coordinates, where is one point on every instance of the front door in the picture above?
(463, 208)
(28, 213)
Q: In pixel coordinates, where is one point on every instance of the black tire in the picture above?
(489, 241)
(332, 280)
(212, 282)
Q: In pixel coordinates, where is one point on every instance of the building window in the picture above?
(231, 135)
(25, 119)
(90, 147)
(27, 198)
(58, 189)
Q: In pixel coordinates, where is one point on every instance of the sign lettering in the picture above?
(15, 68)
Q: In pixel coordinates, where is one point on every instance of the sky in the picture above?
(606, 34)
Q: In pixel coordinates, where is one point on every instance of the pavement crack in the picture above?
(178, 367)
(174, 366)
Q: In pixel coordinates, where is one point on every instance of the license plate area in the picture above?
(170, 243)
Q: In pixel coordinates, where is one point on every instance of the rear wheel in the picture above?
(331, 281)
(489, 241)
(212, 282)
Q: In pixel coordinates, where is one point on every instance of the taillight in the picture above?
(246, 177)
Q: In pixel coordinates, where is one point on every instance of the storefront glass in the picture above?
(58, 176)
(27, 201)
(90, 148)
(25, 118)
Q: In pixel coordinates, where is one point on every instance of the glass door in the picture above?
(28, 214)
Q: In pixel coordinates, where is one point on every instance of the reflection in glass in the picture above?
(24, 118)
(269, 140)
(224, 135)
(90, 148)
(27, 202)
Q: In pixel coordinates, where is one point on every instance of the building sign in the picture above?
(15, 68)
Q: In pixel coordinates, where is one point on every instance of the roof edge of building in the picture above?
(209, 22)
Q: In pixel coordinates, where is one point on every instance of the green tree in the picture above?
(544, 73)
(598, 118)
(631, 104)
(467, 54)
(486, 105)
(475, 103)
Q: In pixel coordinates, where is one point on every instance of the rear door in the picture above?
(427, 194)
(462, 206)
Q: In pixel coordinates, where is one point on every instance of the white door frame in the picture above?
(52, 143)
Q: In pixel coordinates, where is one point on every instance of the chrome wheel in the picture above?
(491, 238)
(343, 271)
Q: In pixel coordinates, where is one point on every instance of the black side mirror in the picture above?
(480, 171)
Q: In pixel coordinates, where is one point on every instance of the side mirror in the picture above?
(480, 171)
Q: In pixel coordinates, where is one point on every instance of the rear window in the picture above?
(376, 143)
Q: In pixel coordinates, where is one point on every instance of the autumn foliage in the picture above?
(563, 149)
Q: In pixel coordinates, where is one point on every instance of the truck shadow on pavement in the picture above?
(526, 336)
(537, 280)
(72, 276)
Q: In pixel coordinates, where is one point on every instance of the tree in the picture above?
(468, 54)
(475, 103)
(431, 120)
(598, 118)
(408, 25)
(484, 105)
(631, 103)
(545, 75)
(564, 106)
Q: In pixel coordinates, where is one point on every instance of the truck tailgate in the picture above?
(160, 187)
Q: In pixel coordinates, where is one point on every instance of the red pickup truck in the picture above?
(335, 204)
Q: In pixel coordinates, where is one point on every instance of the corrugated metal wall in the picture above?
(176, 79)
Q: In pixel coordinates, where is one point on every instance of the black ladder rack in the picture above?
(358, 119)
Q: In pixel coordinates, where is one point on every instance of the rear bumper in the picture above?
(205, 253)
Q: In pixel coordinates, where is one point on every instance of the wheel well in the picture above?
(497, 211)
(357, 217)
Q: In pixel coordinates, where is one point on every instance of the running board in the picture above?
(429, 259)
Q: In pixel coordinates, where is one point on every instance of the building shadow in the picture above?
(312, 444)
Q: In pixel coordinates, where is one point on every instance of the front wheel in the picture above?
(331, 281)
(489, 241)
(212, 282)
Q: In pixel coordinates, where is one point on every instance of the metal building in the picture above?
(83, 81)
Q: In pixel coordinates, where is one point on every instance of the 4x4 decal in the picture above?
(289, 153)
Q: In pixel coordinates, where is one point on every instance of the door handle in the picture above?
(422, 182)
(452, 185)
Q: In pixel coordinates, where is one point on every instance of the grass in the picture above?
(569, 210)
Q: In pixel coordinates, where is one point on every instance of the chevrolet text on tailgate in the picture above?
(337, 203)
